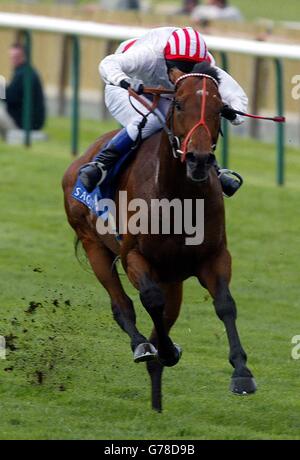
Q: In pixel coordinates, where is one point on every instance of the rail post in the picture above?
(280, 126)
(64, 72)
(27, 101)
(224, 123)
(75, 97)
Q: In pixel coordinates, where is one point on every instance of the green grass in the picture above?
(72, 376)
(251, 10)
(271, 9)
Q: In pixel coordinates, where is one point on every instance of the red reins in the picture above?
(201, 122)
(174, 140)
(277, 119)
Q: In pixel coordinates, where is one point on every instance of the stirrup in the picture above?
(228, 172)
(103, 170)
(233, 173)
(89, 174)
(91, 163)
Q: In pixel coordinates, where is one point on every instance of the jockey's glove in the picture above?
(228, 113)
(135, 84)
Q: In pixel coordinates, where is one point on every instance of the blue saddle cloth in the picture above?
(106, 190)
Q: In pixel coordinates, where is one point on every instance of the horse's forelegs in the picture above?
(242, 379)
(153, 299)
(155, 370)
(173, 298)
(101, 260)
(215, 277)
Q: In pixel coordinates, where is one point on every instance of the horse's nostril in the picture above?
(191, 157)
(211, 159)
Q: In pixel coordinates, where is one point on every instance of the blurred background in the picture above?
(265, 21)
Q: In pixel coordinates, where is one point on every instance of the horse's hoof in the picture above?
(243, 385)
(144, 352)
(171, 360)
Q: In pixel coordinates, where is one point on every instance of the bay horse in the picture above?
(158, 264)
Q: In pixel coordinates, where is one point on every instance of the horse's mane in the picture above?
(205, 67)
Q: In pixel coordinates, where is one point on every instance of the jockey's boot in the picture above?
(94, 173)
(230, 180)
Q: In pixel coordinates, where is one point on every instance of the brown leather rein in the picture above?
(178, 149)
(151, 107)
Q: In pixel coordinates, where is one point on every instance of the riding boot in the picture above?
(231, 181)
(94, 173)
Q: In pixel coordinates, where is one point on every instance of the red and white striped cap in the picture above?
(186, 44)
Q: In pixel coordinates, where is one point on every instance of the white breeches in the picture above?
(117, 102)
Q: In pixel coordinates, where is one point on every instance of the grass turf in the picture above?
(69, 372)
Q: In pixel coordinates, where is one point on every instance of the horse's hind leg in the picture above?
(173, 296)
(101, 260)
(215, 276)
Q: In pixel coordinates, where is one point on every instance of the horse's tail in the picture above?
(81, 255)
(76, 247)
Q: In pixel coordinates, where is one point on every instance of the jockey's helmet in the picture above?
(185, 48)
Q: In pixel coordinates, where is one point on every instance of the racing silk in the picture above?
(143, 58)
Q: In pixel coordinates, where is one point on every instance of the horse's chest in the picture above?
(173, 260)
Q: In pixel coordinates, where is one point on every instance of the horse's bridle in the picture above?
(179, 148)
(202, 121)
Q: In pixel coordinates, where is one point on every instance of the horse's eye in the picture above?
(178, 105)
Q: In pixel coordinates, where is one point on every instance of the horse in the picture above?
(158, 264)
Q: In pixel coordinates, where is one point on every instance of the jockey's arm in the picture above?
(117, 67)
(233, 95)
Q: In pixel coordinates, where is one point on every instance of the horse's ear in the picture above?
(174, 74)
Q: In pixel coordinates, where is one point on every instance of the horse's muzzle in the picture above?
(198, 166)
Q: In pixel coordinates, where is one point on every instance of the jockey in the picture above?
(147, 61)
